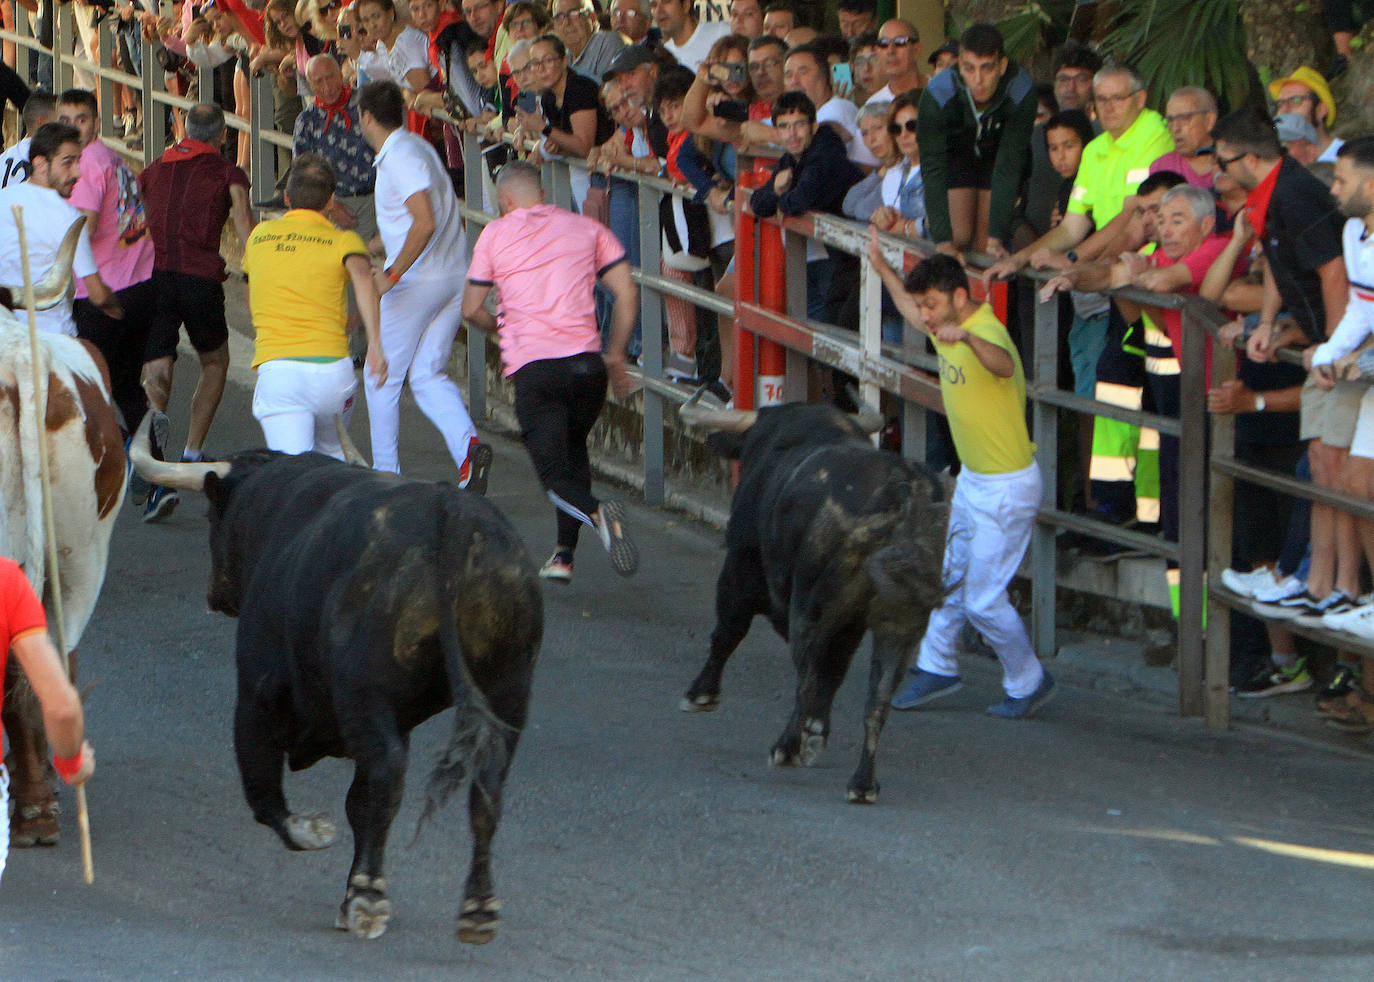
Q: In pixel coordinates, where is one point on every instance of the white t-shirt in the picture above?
(14, 164)
(846, 115)
(698, 46)
(410, 51)
(882, 95)
(405, 164)
(47, 216)
(1328, 156)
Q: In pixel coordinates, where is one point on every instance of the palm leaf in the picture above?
(1174, 43)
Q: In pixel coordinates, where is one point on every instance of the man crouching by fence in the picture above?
(545, 262)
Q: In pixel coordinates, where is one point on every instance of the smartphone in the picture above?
(527, 101)
(725, 74)
(345, 32)
(841, 77)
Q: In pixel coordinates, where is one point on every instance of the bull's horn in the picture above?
(184, 477)
(733, 420)
(350, 449)
(868, 418)
(52, 289)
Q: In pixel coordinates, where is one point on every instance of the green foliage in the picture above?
(1035, 26)
(1173, 43)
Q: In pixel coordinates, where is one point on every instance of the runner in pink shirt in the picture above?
(544, 262)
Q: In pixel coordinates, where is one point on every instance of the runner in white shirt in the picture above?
(55, 155)
(39, 108)
(421, 287)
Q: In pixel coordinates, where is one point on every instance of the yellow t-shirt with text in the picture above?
(987, 414)
(297, 286)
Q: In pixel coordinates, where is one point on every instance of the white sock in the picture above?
(191, 456)
(1284, 659)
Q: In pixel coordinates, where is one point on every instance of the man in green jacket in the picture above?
(974, 132)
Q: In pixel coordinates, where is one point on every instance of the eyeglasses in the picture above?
(900, 42)
(542, 63)
(1294, 101)
(1225, 162)
(1072, 78)
(519, 71)
(521, 24)
(768, 64)
(1180, 117)
(567, 15)
(1117, 99)
(896, 128)
(863, 61)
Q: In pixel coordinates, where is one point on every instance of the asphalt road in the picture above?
(1104, 839)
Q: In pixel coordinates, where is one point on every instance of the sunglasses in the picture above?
(900, 42)
(331, 5)
(896, 128)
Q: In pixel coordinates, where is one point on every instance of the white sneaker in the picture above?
(1358, 621)
(1336, 620)
(1289, 586)
(1245, 584)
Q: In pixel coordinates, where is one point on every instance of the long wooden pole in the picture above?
(83, 818)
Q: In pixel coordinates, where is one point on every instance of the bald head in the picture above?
(325, 78)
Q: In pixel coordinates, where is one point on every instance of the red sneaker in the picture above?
(473, 474)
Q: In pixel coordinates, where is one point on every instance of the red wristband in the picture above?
(67, 767)
(394, 277)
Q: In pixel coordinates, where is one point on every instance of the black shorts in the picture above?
(195, 301)
(968, 170)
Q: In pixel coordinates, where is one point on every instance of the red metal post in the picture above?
(746, 289)
(772, 295)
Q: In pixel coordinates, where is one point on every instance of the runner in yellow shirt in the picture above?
(299, 267)
(998, 492)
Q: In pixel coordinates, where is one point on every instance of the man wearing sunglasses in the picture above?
(974, 128)
(899, 51)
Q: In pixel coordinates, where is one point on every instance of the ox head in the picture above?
(795, 423)
(53, 288)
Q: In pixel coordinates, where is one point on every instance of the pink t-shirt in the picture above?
(1178, 163)
(545, 262)
(1197, 263)
(121, 242)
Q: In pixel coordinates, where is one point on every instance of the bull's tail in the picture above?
(479, 735)
(907, 573)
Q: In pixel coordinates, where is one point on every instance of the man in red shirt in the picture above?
(23, 630)
(188, 194)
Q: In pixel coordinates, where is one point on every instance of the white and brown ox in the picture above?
(87, 469)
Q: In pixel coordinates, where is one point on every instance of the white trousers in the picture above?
(990, 524)
(295, 403)
(419, 322)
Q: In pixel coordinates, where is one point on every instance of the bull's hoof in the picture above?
(801, 750)
(310, 831)
(862, 796)
(701, 702)
(479, 920)
(364, 916)
(35, 825)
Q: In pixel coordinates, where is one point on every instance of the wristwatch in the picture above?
(1259, 402)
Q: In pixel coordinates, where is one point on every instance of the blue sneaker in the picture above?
(922, 687)
(1010, 708)
(161, 503)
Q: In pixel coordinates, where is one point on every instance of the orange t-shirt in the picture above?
(21, 612)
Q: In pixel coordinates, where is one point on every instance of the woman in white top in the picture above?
(903, 211)
(402, 52)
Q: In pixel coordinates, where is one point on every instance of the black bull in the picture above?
(366, 605)
(830, 539)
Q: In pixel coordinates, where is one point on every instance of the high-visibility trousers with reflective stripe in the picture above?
(1125, 461)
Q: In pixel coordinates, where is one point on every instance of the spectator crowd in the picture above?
(1075, 175)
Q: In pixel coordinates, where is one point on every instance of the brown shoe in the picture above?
(1357, 717)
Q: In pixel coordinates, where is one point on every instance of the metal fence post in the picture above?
(746, 291)
(105, 87)
(794, 258)
(23, 28)
(1192, 505)
(473, 191)
(772, 293)
(264, 161)
(154, 113)
(61, 14)
(651, 351)
(1220, 531)
(1045, 432)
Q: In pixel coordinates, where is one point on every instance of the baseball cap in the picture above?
(630, 57)
(1311, 78)
(1295, 126)
(949, 47)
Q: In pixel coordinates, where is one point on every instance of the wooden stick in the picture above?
(83, 818)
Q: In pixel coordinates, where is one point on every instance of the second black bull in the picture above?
(829, 539)
(366, 605)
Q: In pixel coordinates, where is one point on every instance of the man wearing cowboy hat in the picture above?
(1305, 92)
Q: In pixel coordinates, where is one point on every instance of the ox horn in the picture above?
(733, 420)
(52, 289)
(184, 477)
(350, 449)
(868, 418)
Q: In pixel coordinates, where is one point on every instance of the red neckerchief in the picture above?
(1258, 200)
(675, 142)
(340, 106)
(446, 18)
(187, 149)
(249, 18)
